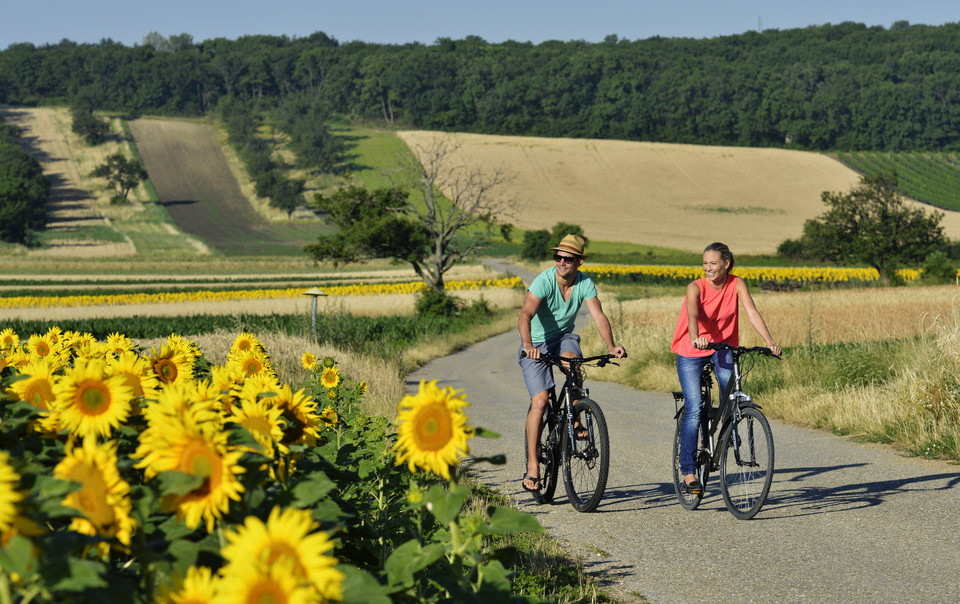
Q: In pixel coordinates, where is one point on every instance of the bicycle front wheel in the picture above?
(746, 464)
(586, 459)
(547, 455)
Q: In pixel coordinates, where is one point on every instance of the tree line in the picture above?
(23, 189)
(843, 86)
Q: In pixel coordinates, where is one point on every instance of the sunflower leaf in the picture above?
(311, 489)
(360, 587)
(408, 559)
(445, 504)
(484, 433)
(175, 482)
(505, 521)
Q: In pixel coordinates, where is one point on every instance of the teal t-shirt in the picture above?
(555, 316)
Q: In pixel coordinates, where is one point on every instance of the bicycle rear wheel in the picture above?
(586, 461)
(547, 456)
(746, 469)
(689, 501)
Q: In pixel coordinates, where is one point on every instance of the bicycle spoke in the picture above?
(746, 464)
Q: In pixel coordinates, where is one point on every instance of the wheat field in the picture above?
(677, 196)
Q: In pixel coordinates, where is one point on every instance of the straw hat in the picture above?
(572, 244)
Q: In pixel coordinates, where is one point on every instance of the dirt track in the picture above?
(69, 207)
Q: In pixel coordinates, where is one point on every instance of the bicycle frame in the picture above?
(732, 400)
(562, 406)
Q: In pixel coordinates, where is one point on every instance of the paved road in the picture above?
(845, 521)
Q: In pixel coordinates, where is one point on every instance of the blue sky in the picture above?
(400, 21)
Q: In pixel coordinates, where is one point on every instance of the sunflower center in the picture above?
(281, 550)
(199, 460)
(166, 370)
(267, 591)
(39, 393)
(42, 349)
(92, 397)
(252, 367)
(92, 498)
(433, 427)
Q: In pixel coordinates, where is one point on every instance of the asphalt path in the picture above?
(845, 521)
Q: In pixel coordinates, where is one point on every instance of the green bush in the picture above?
(432, 303)
(939, 268)
(536, 245)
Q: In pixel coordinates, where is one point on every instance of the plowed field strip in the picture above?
(194, 182)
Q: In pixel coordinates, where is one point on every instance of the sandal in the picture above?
(535, 481)
(579, 432)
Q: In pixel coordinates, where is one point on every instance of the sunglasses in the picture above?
(567, 259)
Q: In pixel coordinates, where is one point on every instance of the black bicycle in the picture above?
(743, 452)
(573, 434)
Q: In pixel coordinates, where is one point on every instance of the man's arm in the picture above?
(603, 326)
(530, 305)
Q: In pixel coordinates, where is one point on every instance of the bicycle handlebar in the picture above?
(741, 350)
(600, 360)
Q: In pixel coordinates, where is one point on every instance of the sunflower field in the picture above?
(797, 276)
(224, 295)
(129, 475)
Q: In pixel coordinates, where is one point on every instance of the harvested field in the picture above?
(678, 196)
(194, 182)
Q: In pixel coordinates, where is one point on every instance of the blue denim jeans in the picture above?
(689, 370)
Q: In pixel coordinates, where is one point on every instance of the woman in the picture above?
(710, 313)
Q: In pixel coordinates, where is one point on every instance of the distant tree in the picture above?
(89, 127)
(562, 229)
(23, 190)
(122, 174)
(287, 194)
(432, 233)
(871, 224)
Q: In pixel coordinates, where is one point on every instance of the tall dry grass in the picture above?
(878, 363)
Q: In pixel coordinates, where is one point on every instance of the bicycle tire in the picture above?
(548, 454)
(689, 501)
(585, 474)
(746, 483)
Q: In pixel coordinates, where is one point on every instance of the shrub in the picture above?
(939, 268)
(536, 245)
(432, 303)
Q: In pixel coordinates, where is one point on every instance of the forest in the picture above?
(840, 86)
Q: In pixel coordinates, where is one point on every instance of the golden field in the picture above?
(676, 196)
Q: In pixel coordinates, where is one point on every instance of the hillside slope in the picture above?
(192, 179)
(678, 196)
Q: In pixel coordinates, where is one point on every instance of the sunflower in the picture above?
(227, 381)
(262, 420)
(54, 334)
(274, 583)
(104, 498)
(330, 378)
(9, 339)
(329, 415)
(117, 343)
(289, 538)
(245, 342)
(37, 389)
(89, 402)
(135, 370)
(41, 346)
(199, 587)
(186, 401)
(181, 444)
(308, 360)
(171, 364)
(431, 429)
(251, 363)
(9, 496)
(182, 344)
(302, 422)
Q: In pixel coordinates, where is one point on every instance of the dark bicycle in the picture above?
(583, 451)
(743, 452)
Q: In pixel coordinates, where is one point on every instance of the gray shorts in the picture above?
(539, 376)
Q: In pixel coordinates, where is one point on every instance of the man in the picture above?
(546, 326)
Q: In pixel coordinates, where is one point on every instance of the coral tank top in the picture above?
(717, 318)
